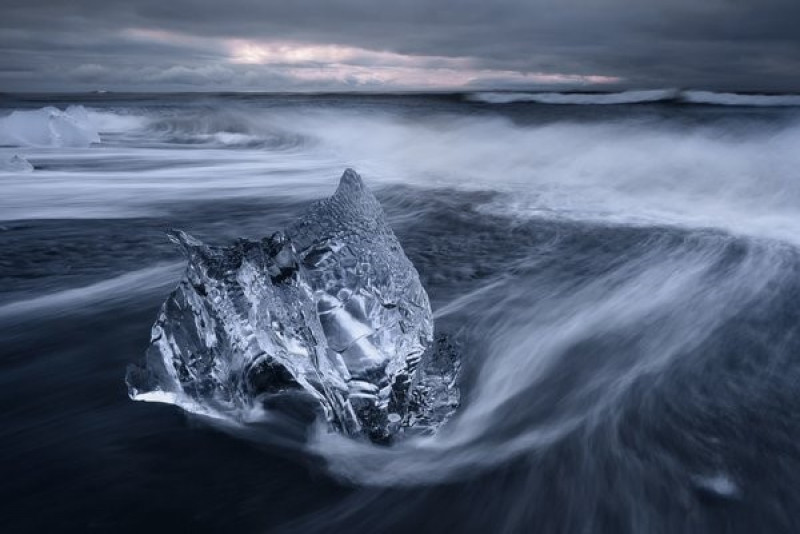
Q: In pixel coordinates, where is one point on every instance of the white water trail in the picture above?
(665, 303)
(91, 297)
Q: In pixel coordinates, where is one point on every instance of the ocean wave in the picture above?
(622, 171)
(640, 97)
(624, 97)
(111, 121)
(738, 99)
(617, 289)
(225, 128)
(574, 333)
(735, 175)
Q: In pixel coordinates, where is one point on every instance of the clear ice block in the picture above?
(331, 307)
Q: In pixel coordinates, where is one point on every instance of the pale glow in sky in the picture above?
(331, 63)
(364, 45)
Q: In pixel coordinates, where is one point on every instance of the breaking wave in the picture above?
(737, 174)
(224, 128)
(625, 97)
(736, 99)
(733, 176)
(640, 97)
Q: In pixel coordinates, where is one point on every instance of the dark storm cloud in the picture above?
(149, 44)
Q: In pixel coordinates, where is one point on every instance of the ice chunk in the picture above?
(15, 163)
(48, 127)
(331, 307)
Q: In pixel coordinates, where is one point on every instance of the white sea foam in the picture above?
(624, 97)
(528, 349)
(742, 179)
(639, 97)
(737, 99)
(624, 171)
(111, 121)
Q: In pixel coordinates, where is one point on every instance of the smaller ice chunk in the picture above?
(48, 127)
(15, 163)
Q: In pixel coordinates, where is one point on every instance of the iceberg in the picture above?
(330, 308)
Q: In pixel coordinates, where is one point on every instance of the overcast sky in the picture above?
(372, 45)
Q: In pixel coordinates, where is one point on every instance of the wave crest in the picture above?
(624, 97)
(640, 97)
(737, 99)
(225, 128)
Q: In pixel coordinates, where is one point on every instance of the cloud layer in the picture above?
(51, 45)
